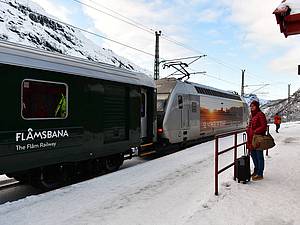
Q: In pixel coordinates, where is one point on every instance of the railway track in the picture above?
(12, 190)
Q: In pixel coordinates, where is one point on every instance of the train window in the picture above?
(180, 102)
(44, 100)
(162, 101)
(194, 106)
(143, 105)
(217, 93)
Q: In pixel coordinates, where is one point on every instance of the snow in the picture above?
(294, 5)
(284, 108)
(3, 178)
(21, 22)
(251, 97)
(176, 189)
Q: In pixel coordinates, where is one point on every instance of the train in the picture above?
(187, 112)
(64, 117)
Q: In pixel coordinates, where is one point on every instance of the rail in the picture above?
(234, 147)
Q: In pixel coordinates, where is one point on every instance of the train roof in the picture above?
(210, 88)
(201, 89)
(20, 55)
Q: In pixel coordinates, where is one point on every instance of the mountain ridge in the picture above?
(25, 22)
(289, 110)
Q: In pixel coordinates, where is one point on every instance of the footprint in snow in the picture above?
(226, 185)
(271, 220)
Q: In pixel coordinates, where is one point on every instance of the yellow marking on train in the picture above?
(147, 153)
(145, 145)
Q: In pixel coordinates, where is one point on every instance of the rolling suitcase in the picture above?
(242, 166)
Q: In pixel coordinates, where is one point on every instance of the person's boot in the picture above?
(257, 177)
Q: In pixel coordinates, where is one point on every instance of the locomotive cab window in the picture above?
(180, 102)
(143, 105)
(194, 107)
(44, 100)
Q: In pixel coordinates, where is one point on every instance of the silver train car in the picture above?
(187, 111)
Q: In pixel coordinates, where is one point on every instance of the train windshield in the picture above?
(162, 100)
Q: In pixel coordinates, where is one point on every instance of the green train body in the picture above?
(57, 109)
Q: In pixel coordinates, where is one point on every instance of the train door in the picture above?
(194, 117)
(144, 107)
(183, 105)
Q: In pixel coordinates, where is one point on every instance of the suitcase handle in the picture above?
(244, 140)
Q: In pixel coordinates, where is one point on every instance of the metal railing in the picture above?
(234, 147)
(268, 132)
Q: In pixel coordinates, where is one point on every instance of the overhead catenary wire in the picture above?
(109, 39)
(226, 81)
(149, 30)
(128, 21)
(164, 36)
(218, 78)
(125, 17)
(142, 27)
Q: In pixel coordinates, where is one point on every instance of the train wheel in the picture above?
(113, 163)
(46, 178)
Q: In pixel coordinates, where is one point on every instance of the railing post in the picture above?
(217, 153)
(235, 155)
(216, 165)
(268, 132)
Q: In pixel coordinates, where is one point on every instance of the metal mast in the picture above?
(156, 60)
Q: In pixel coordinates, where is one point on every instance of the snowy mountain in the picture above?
(250, 97)
(25, 22)
(285, 109)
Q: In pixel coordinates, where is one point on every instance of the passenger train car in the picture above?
(62, 116)
(188, 111)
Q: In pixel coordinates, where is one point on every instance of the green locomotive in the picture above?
(62, 116)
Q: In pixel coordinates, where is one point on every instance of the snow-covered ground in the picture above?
(175, 189)
(3, 178)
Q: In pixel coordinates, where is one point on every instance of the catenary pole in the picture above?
(289, 99)
(243, 83)
(156, 60)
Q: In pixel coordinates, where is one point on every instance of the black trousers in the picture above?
(277, 127)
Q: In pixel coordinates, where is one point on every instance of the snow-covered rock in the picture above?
(288, 110)
(25, 22)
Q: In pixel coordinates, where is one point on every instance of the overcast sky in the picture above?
(235, 34)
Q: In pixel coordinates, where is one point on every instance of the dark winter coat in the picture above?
(257, 125)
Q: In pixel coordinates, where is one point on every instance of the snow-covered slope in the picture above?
(250, 97)
(281, 106)
(24, 22)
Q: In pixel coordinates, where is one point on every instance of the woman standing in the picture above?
(257, 125)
